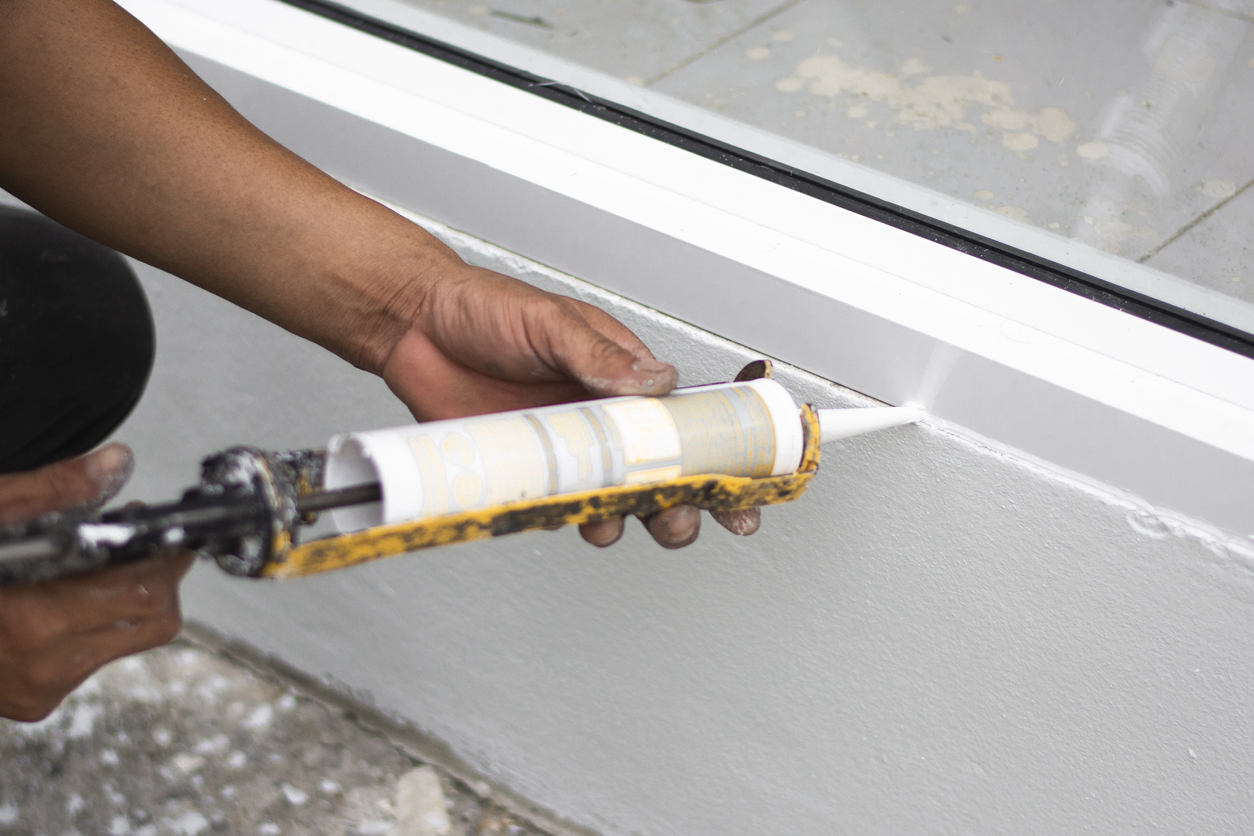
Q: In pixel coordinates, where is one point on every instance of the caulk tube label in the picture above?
(442, 467)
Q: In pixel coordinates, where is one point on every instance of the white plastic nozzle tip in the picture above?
(845, 423)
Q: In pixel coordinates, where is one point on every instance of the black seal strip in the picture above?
(986, 249)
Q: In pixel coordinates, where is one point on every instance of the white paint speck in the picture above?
(922, 102)
(108, 757)
(261, 717)
(1193, 754)
(228, 791)
(1020, 141)
(1093, 150)
(286, 703)
(147, 830)
(328, 786)
(1218, 188)
(189, 824)
(9, 813)
(83, 722)
(187, 764)
(373, 827)
(295, 797)
(115, 798)
(161, 736)
(212, 746)
(914, 66)
(74, 805)
(268, 829)
(120, 826)
(237, 760)
(420, 804)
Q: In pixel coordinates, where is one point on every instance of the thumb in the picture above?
(603, 366)
(84, 482)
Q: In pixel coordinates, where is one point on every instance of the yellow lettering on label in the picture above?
(573, 430)
(514, 461)
(458, 449)
(431, 471)
(647, 430)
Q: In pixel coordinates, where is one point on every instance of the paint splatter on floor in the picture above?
(183, 742)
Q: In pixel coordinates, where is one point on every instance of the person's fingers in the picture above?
(742, 521)
(54, 634)
(36, 685)
(604, 533)
(84, 482)
(675, 527)
(612, 328)
(42, 614)
(604, 367)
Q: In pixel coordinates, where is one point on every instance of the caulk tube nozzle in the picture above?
(843, 423)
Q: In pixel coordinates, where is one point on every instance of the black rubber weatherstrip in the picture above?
(1058, 275)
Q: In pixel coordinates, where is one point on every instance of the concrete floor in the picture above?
(185, 740)
(1122, 124)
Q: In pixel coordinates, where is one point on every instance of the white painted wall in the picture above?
(939, 637)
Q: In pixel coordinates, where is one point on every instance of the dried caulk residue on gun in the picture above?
(749, 429)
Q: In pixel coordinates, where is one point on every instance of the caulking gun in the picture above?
(722, 447)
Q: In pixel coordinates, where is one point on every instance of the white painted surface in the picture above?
(884, 312)
(941, 636)
(938, 637)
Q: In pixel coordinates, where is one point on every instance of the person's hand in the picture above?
(54, 634)
(482, 342)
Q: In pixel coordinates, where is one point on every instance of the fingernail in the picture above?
(651, 366)
(110, 467)
(677, 527)
(655, 375)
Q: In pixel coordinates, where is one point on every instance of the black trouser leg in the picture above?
(76, 341)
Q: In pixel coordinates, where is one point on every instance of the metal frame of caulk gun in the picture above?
(247, 511)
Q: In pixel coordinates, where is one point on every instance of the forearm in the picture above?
(104, 129)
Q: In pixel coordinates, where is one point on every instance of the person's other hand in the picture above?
(482, 342)
(54, 634)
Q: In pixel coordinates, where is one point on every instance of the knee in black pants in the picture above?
(76, 341)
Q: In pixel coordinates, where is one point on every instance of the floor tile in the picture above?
(1218, 252)
(636, 40)
(1116, 123)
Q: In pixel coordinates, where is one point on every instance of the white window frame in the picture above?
(1104, 394)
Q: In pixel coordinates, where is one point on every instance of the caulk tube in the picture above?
(750, 428)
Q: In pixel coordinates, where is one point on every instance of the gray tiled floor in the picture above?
(637, 40)
(1118, 123)
(1218, 252)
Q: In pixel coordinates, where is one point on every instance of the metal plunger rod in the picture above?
(339, 498)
